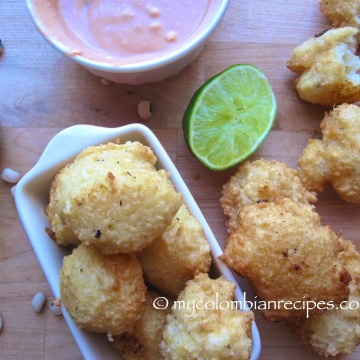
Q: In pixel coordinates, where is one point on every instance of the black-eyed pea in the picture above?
(55, 307)
(10, 176)
(38, 301)
(144, 109)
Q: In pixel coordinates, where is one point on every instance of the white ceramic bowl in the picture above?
(47, 22)
(31, 197)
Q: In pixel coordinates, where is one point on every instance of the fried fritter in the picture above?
(59, 232)
(129, 153)
(143, 342)
(336, 331)
(113, 196)
(342, 13)
(102, 293)
(261, 180)
(335, 158)
(181, 252)
(198, 329)
(328, 68)
(288, 256)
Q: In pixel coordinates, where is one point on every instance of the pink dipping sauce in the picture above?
(133, 30)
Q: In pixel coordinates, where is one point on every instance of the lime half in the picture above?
(229, 116)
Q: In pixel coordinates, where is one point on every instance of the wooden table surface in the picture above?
(42, 92)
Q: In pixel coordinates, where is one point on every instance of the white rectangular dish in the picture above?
(31, 198)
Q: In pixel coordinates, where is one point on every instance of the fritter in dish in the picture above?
(198, 329)
(328, 68)
(102, 293)
(336, 331)
(143, 343)
(288, 256)
(113, 196)
(342, 13)
(128, 153)
(261, 180)
(181, 252)
(335, 158)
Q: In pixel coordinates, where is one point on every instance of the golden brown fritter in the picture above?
(181, 252)
(336, 331)
(102, 293)
(143, 342)
(342, 13)
(335, 158)
(261, 180)
(114, 154)
(288, 256)
(197, 328)
(112, 196)
(328, 68)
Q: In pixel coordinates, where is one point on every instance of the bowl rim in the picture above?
(182, 51)
(50, 162)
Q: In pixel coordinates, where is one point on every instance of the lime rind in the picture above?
(230, 116)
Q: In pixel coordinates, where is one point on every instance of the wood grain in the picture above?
(41, 92)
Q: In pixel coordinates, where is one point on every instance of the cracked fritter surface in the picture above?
(261, 180)
(335, 158)
(196, 333)
(287, 255)
(336, 331)
(102, 293)
(176, 256)
(328, 68)
(112, 196)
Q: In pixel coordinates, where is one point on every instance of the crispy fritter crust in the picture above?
(181, 252)
(143, 342)
(112, 196)
(335, 158)
(287, 255)
(342, 13)
(102, 293)
(194, 332)
(336, 331)
(128, 153)
(261, 180)
(328, 68)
